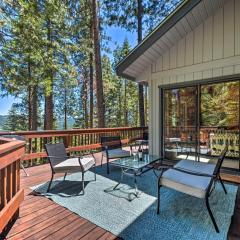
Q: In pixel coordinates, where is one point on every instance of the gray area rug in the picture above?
(130, 217)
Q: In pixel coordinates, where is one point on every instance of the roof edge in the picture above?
(152, 37)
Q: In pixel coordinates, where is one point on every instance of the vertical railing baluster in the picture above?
(9, 182)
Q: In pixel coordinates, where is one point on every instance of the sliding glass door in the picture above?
(219, 121)
(197, 122)
(180, 119)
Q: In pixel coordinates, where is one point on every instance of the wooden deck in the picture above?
(41, 218)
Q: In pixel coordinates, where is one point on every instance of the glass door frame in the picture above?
(197, 84)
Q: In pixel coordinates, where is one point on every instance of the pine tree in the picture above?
(129, 89)
(133, 15)
(98, 64)
(17, 119)
(21, 55)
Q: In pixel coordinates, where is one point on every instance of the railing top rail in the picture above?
(7, 147)
(72, 131)
(10, 145)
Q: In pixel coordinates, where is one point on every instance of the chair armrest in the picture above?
(193, 172)
(162, 167)
(92, 153)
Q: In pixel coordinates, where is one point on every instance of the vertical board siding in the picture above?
(159, 64)
(198, 44)
(189, 49)
(218, 34)
(173, 57)
(229, 29)
(197, 51)
(181, 53)
(166, 61)
(217, 37)
(208, 40)
(237, 27)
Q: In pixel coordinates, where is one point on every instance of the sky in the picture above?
(117, 35)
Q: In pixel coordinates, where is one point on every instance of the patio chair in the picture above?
(112, 149)
(60, 162)
(193, 178)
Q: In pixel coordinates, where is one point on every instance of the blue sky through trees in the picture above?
(117, 37)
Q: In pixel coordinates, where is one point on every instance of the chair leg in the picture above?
(158, 201)
(95, 175)
(158, 192)
(211, 215)
(83, 182)
(50, 183)
(64, 176)
(102, 160)
(108, 166)
(223, 186)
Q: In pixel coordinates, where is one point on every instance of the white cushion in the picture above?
(73, 165)
(117, 153)
(187, 183)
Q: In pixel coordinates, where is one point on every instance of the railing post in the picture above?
(11, 195)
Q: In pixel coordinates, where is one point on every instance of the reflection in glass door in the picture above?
(220, 121)
(180, 118)
(198, 121)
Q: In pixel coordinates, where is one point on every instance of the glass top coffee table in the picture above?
(134, 167)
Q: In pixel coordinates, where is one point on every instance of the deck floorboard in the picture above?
(41, 218)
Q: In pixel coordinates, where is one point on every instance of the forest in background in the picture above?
(55, 59)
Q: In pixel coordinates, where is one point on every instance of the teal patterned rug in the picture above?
(181, 216)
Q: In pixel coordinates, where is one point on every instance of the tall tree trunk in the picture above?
(65, 108)
(29, 97)
(98, 65)
(140, 87)
(84, 99)
(125, 104)
(48, 119)
(35, 107)
(29, 108)
(91, 90)
(119, 112)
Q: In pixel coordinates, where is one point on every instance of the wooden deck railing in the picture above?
(75, 140)
(11, 195)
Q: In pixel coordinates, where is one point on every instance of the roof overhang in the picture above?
(165, 35)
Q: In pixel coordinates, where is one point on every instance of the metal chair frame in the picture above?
(214, 177)
(62, 158)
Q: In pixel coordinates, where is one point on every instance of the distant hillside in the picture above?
(60, 122)
(3, 119)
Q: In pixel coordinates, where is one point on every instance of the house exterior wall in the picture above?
(211, 50)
